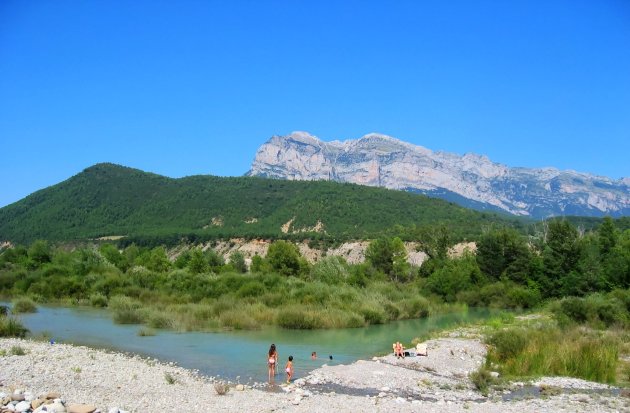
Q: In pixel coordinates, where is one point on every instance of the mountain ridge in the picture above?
(381, 160)
(107, 200)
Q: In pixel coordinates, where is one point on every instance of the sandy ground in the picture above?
(439, 382)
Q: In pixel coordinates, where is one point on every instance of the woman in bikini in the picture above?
(272, 361)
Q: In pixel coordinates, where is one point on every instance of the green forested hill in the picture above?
(110, 200)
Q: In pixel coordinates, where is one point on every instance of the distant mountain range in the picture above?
(470, 180)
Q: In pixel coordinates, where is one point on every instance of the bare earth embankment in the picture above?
(113, 382)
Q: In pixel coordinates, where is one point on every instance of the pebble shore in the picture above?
(74, 379)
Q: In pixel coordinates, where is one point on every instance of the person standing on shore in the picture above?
(272, 361)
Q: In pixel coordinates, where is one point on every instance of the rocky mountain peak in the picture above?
(472, 179)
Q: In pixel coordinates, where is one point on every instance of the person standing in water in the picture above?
(289, 369)
(272, 361)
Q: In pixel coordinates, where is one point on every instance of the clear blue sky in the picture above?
(195, 87)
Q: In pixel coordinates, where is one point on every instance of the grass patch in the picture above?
(298, 318)
(98, 300)
(24, 305)
(576, 352)
(12, 327)
(146, 332)
(482, 380)
(221, 388)
(126, 310)
(238, 320)
(170, 379)
(17, 351)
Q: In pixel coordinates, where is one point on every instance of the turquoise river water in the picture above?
(232, 354)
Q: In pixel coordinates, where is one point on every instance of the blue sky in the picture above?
(195, 87)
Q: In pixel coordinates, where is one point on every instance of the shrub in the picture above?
(221, 388)
(482, 380)
(17, 351)
(24, 305)
(169, 378)
(251, 289)
(146, 332)
(128, 316)
(523, 297)
(372, 314)
(238, 320)
(126, 310)
(11, 327)
(574, 308)
(158, 320)
(98, 300)
(416, 307)
(508, 343)
(297, 318)
(594, 309)
(330, 270)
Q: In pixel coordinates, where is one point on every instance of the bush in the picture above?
(11, 327)
(98, 300)
(17, 351)
(297, 318)
(126, 310)
(482, 380)
(595, 309)
(169, 378)
(373, 315)
(508, 343)
(221, 388)
(24, 305)
(251, 289)
(158, 320)
(238, 320)
(417, 307)
(146, 332)
(330, 270)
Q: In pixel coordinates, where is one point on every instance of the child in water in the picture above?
(289, 369)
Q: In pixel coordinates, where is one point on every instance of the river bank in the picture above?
(115, 382)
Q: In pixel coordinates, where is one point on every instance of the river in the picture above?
(235, 354)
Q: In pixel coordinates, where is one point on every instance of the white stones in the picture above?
(22, 406)
(494, 374)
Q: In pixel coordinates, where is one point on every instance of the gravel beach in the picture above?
(88, 380)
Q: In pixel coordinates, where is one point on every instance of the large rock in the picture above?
(472, 180)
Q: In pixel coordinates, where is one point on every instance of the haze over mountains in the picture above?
(471, 180)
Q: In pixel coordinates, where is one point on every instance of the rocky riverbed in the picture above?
(65, 378)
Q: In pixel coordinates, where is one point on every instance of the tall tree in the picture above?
(504, 253)
(284, 257)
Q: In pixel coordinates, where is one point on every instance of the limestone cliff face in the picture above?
(472, 180)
